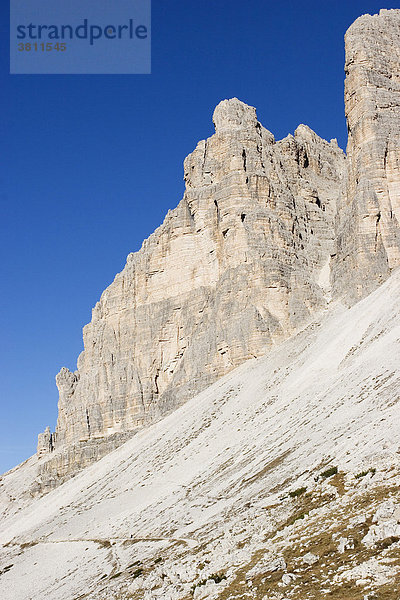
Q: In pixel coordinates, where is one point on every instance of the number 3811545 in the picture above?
(41, 47)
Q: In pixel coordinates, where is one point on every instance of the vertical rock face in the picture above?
(45, 443)
(240, 263)
(368, 245)
(244, 260)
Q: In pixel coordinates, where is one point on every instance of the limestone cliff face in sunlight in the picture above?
(368, 223)
(267, 234)
(235, 268)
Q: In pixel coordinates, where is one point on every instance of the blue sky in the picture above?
(91, 164)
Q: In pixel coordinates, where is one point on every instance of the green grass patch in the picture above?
(364, 473)
(329, 472)
(298, 492)
(297, 517)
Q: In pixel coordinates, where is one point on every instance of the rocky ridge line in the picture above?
(266, 234)
(241, 263)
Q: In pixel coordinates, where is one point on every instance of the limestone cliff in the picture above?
(245, 259)
(239, 264)
(368, 241)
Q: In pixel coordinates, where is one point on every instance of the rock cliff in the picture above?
(368, 227)
(264, 229)
(239, 264)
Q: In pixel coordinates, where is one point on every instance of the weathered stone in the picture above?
(237, 266)
(45, 443)
(368, 238)
(345, 544)
(310, 558)
(383, 531)
(268, 564)
(288, 578)
(244, 260)
(387, 510)
(386, 524)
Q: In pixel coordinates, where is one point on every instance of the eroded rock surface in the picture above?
(242, 262)
(369, 212)
(266, 233)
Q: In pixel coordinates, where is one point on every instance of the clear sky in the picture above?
(91, 164)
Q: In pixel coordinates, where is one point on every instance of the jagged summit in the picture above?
(232, 115)
(267, 234)
(376, 20)
(235, 268)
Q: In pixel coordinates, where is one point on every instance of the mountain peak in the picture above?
(233, 114)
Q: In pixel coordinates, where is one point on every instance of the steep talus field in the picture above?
(281, 480)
